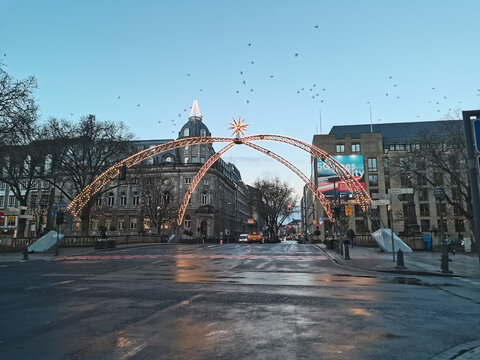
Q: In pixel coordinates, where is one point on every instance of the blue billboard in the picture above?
(329, 182)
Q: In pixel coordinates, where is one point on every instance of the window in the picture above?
(391, 147)
(188, 180)
(361, 227)
(340, 148)
(424, 225)
(438, 179)
(204, 198)
(11, 220)
(123, 199)
(167, 159)
(111, 199)
(421, 180)
(166, 198)
(187, 222)
(133, 222)
(203, 132)
(33, 201)
(44, 201)
(186, 132)
(2, 185)
(399, 147)
(373, 180)
(121, 223)
(459, 226)
(358, 210)
(2, 201)
(444, 210)
(423, 194)
(355, 148)
(186, 160)
(205, 181)
(98, 201)
(135, 199)
(202, 160)
(372, 164)
(405, 180)
(95, 224)
(194, 160)
(146, 223)
(385, 164)
(11, 201)
(424, 210)
(45, 185)
(48, 164)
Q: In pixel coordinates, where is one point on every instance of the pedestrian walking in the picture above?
(351, 236)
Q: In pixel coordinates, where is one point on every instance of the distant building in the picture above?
(369, 150)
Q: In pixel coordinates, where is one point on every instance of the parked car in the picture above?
(243, 238)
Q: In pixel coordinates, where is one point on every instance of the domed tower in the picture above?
(195, 154)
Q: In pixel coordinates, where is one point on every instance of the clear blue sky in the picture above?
(85, 54)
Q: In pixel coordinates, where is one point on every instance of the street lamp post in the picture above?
(440, 195)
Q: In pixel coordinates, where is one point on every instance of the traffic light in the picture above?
(60, 218)
(199, 228)
(289, 207)
(348, 210)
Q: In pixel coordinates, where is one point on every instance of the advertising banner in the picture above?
(328, 180)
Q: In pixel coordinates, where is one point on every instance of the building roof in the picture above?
(397, 132)
(194, 123)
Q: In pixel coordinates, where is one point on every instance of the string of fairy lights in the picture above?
(319, 195)
(106, 177)
(208, 164)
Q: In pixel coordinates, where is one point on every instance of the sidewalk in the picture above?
(418, 262)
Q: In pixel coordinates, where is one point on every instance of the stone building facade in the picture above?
(218, 207)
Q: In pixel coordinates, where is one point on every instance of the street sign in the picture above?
(381, 202)
(399, 191)
(28, 217)
(348, 210)
(380, 196)
(476, 130)
(22, 207)
(52, 213)
(2, 216)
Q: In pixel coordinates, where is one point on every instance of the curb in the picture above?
(391, 271)
(466, 351)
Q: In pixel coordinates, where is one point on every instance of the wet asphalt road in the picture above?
(273, 301)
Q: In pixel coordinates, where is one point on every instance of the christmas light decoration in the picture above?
(239, 127)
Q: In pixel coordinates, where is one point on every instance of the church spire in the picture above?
(195, 112)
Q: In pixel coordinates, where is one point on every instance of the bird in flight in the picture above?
(433, 88)
(118, 97)
(296, 54)
(244, 82)
(138, 105)
(238, 91)
(316, 26)
(251, 89)
(188, 74)
(249, 44)
(271, 76)
(241, 72)
(248, 101)
(390, 77)
(386, 94)
(253, 62)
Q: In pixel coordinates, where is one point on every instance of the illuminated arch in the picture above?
(89, 191)
(181, 213)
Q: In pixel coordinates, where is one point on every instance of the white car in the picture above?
(243, 238)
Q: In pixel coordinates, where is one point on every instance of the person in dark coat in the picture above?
(351, 236)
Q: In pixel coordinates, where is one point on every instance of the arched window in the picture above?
(186, 132)
(123, 198)
(204, 198)
(166, 198)
(167, 159)
(203, 132)
(135, 198)
(187, 222)
(111, 199)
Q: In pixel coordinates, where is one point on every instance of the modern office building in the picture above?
(375, 155)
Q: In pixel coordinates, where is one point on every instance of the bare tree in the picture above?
(18, 111)
(439, 159)
(81, 152)
(270, 198)
(156, 198)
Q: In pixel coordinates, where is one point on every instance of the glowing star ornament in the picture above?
(238, 127)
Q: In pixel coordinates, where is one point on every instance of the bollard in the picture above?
(400, 262)
(347, 251)
(25, 254)
(221, 241)
(340, 247)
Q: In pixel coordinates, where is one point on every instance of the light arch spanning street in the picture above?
(352, 184)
